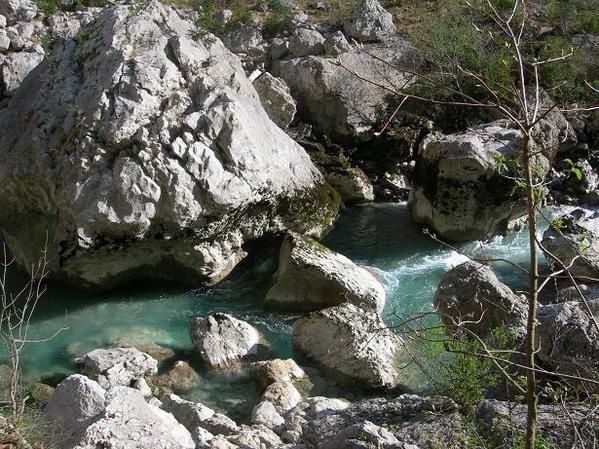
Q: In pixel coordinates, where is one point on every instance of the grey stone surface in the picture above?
(311, 277)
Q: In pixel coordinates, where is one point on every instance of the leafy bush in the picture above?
(280, 20)
(574, 16)
(207, 16)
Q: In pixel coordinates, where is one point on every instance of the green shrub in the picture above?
(206, 19)
(280, 19)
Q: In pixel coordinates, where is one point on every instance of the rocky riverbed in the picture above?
(138, 149)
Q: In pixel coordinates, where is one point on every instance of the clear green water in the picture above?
(381, 237)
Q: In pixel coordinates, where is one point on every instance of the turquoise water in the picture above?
(380, 236)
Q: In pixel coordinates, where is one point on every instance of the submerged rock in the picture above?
(180, 378)
(369, 21)
(147, 154)
(222, 340)
(574, 239)
(471, 296)
(351, 342)
(457, 190)
(117, 366)
(311, 277)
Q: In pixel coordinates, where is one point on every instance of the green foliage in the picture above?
(460, 39)
(565, 79)
(558, 224)
(280, 20)
(519, 442)
(53, 6)
(573, 170)
(574, 16)
(454, 45)
(83, 51)
(207, 16)
(458, 370)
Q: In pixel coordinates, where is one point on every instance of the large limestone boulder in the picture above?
(353, 343)
(568, 338)
(457, 190)
(222, 340)
(471, 296)
(369, 21)
(75, 403)
(128, 422)
(81, 414)
(311, 277)
(338, 103)
(117, 366)
(574, 239)
(147, 153)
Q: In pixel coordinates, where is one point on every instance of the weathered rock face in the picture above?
(472, 293)
(568, 339)
(457, 190)
(306, 42)
(352, 184)
(276, 370)
(395, 423)
(76, 401)
(369, 21)
(222, 340)
(311, 277)
(128, 422)
(574, 240)
(276, 99)
(334, 100)
(352, 342)
(503, 419)
(117, 366)
(147, 152)
(180, 378)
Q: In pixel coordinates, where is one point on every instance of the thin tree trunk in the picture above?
(531, 393)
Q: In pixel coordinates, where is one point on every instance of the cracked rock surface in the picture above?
(140, 150)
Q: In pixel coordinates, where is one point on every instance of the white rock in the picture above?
(186, 220)
(15, 69)
(283, 395)
(276, 370)
(222, 340)
(143, 387)
(369, 21)
(128, 422)
(276, 99)
(311, 277)
(266, 413)
(76, 402)
(117, 366)
(456, 189)
(306, 42)
(351, 342)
